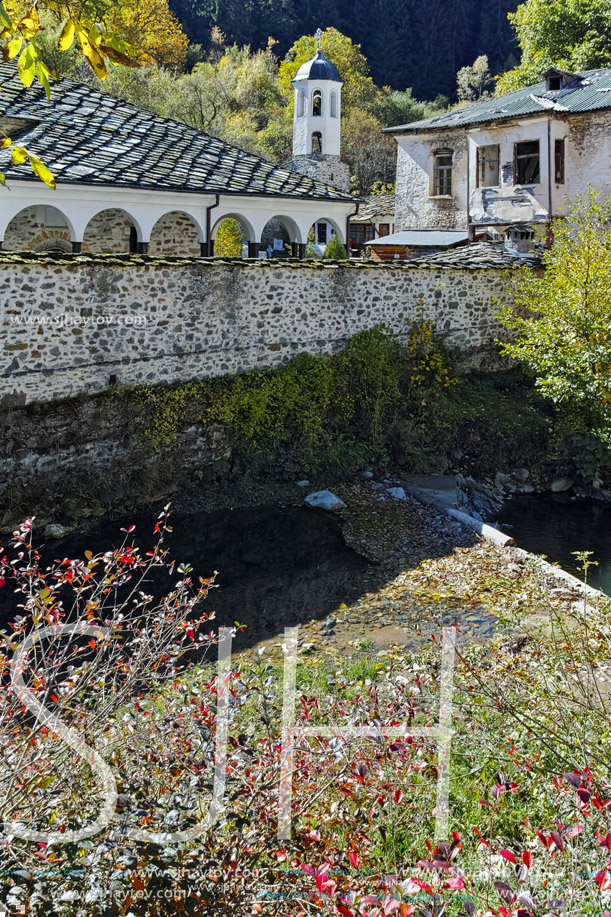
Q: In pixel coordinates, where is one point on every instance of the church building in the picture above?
(128, 180)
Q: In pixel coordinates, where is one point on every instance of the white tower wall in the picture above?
(306, 123)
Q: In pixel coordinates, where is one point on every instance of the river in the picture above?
(558, 525)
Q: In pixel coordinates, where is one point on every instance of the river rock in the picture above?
(521, 474)
(324, 499)
(303, 483)
(398, 493)
(367, 475)
(561, 485)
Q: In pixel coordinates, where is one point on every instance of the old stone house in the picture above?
(130, 181)
(507, 164)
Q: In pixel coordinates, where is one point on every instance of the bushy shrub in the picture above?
(335, 249)
(529, 800)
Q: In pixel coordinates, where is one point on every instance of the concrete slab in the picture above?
(438, 489)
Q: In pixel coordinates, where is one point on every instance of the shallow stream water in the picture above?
(557, 525)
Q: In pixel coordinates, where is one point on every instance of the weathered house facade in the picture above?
(511, 161)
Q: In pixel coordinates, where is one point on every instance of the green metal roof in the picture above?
(590, 91)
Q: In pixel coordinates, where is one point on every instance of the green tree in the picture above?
(561, 323)
(572, 35)
(474, 82)
(335, 249)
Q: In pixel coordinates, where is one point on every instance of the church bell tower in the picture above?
(317, 122)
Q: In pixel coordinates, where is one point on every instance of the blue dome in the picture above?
(319, 68)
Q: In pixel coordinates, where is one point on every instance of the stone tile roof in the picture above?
(375, 205)
(477, 256)
(590, 91)
(480, 256)
(86, 137)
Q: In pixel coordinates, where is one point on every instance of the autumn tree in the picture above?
(151, 29)
(561, 323)
(572, 35)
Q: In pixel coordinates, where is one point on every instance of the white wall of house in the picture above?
(587, 161)
(417, 207)
(509, 202)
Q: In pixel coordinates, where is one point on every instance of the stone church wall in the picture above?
(74, 326)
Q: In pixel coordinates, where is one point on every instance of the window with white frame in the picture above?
(442, 173)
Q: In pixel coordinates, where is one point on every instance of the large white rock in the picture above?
(561, 485)
(398, 493)
(324, 499)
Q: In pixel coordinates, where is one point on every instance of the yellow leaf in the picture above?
(14, 47)
(67, 36)
(27, 65)
(42, 171)
(18, 155)
(5, 143)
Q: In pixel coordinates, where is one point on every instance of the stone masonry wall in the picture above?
(416, 207)
(73, 326)
(28, 230)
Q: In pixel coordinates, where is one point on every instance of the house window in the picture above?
(300, 103)
(334, 104)
(317, 102)
(559, 161)
(316, 142)
(554, 83)
(442, 173)
(488, 158)
(321, 233)
(361, 233)
(384, 229)
(527, 170)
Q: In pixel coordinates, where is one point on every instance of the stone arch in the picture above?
(317, 103)
(249, 232)
(38, 225)
(321, 231)
(56, 245)
(280, 227)
(229, 245)
(175, 233)
(111, 231)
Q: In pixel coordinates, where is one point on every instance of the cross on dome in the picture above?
(318, 34)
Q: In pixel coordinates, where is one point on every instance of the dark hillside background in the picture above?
(409, 43)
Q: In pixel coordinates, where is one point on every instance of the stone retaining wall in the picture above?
(72, 326)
